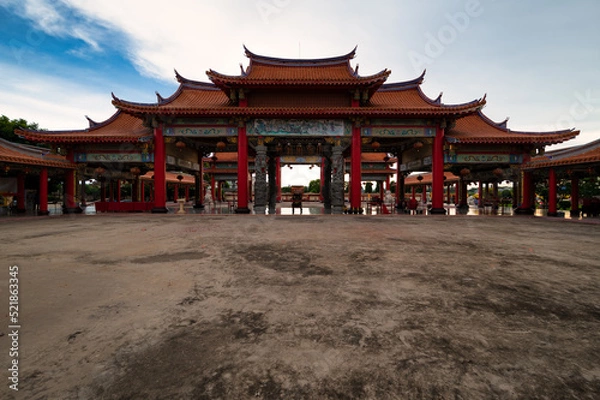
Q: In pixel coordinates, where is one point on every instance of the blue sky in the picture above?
(538, 60)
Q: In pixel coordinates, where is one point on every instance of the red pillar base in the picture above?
(160, 210)
(40, 212)
(21, 210)
(199, 206)
(437, 211)
(242, 211)
(72, 210)
(575, 213)
(524, 211)
(552, 214)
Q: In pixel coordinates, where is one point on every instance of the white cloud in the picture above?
(53, 103)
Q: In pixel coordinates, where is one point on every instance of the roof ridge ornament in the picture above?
(91, 122)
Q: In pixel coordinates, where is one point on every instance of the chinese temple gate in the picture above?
(318, 112)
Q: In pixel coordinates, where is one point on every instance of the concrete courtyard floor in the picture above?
(303, 307)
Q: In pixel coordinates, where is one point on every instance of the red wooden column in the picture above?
(187, 192)
(142, 191)
(278, 179)
(43, 194)
(400, 188)
(527, 194)
(355, 171)
(175, 192)
(118, 190)
(111, 190)
(102, 189)
(574, 197)
(242, 172)
(160, 172)
(480, 192)
(552, 193)
(21, 193)
(437, 180)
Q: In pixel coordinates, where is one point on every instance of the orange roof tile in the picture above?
(477, 128)
(121, 127)
(577, 155)
(192, 99)
(171, 178)
(412, 180)
(271, 71)
(31, 155)
(410, 100)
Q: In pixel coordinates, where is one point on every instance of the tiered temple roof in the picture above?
(195, 98)
(294, 88)
(477, 128)
(24, 154)
(119, 128)
(269, 71)
(577, 155)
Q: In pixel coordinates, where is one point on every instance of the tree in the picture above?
(314, 186)
(8, 126)
(369, 187)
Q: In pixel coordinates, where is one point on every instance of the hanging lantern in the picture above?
(419, 178)
(135, 171)
(299, 149)
(180, 145)
(221, 145)
(279, 147)
(465, 171)
(498, 172)
(418, 145)
(99, 171)
(375, 144)
(179, 177)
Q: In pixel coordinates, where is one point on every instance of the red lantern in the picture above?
(465, 171)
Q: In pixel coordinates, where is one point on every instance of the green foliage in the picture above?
(314, 186)
(286, 189)
(8, 126)
(369, 187)
(589, 187)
